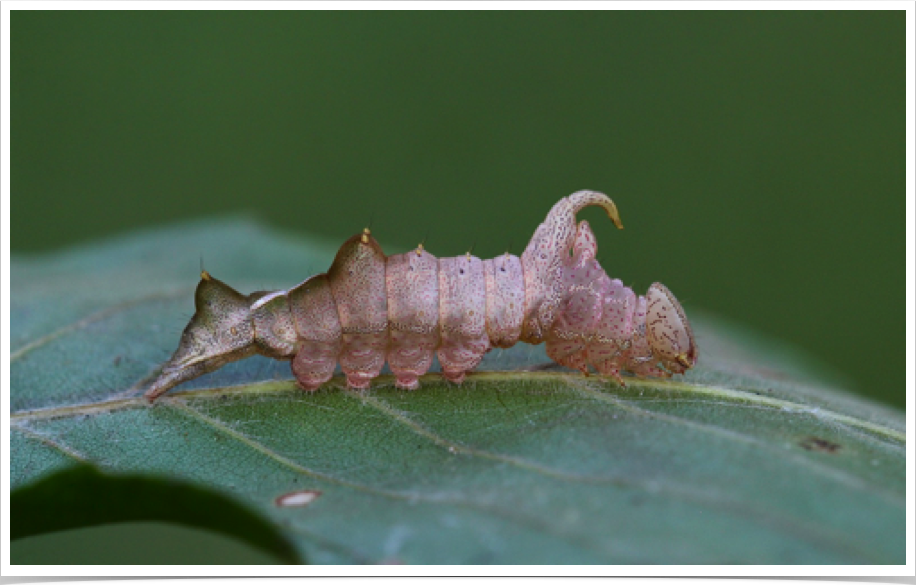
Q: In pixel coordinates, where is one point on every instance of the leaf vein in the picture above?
(52, 443)
(92, 318)
(824, 470)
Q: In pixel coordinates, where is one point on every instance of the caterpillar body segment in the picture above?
(412, 282)
(505, 284)
(357, 279)
(317, 325)
(369, 309)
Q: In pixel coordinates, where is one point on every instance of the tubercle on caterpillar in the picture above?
(369, 309)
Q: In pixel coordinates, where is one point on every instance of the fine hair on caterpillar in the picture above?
(404, 309)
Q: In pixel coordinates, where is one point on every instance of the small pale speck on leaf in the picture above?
(297, 499)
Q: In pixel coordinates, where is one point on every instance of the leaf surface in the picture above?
(753, 457)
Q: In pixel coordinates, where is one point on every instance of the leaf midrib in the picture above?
(728, 397)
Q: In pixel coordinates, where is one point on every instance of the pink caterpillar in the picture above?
(405, 308)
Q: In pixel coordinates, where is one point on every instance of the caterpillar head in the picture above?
(668, 331)
(221, 331)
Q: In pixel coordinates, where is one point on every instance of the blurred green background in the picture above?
(757, 158)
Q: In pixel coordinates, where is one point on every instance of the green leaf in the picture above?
(753, 457)
(136, 543)
(81, 496)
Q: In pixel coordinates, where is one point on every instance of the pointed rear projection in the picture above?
(219, 332)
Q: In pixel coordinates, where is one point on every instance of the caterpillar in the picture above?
(370, 308)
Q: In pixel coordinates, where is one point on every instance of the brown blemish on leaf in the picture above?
(817, 444)
(298, 499)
